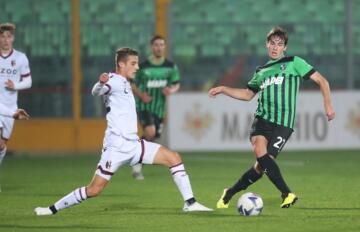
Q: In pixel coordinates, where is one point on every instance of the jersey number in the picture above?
(280, 143)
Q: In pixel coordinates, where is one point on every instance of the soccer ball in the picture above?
(250, 204)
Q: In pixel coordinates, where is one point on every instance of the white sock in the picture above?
(2, 154)
(182, 181)
(75, 197)
(137, 168)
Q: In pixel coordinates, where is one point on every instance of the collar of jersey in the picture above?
(11, 52)
(158, 64)
(273, 61)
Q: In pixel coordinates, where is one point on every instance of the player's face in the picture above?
(276, 47)
(129, 67)
(158, 48)
(6, 41)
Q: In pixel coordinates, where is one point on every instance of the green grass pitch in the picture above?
(328, 184)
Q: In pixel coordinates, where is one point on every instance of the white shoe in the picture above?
(196, 207)
(40, 211)
(138, 176)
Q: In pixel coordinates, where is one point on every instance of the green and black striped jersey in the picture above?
(278, 84)
(152, 79)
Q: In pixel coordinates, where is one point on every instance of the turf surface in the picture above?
(328, 184)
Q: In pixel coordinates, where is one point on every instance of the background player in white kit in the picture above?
(121, 143)
(14, 76)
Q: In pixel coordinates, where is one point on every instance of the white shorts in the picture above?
(6, 125)
(132, 152)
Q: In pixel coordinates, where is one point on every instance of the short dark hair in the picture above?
(123, 53)
(278, 31)
(7, 27)
(156, 37)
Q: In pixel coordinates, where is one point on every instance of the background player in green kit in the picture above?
(277, 83)
(156, 79)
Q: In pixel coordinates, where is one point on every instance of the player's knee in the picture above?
(259, 151)
(176, 158)
(173, 159)
(93, 191)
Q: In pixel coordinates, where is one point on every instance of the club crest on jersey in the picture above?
(13, 63)
(282, 67)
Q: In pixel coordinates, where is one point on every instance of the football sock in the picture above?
(182, 181)
(75, 197)
(2, 154)
(272, 170)
(248, 178)
(137, 168)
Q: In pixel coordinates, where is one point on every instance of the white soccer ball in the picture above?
(250, 204)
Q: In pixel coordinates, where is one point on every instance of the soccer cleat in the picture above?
(289, 200)
(221, 204)
(138, 176)
(196, 207)
(43, 211)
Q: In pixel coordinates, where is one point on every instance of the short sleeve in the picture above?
(304, 69)
(253, 84)
(24, 67)
(175, 75)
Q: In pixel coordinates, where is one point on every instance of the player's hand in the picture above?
(9, 84)
(21, 114)
(145, 97)
(166, 91)
(104, 77)
(215, 91)
(330, 113)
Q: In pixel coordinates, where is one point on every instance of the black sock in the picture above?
(272, 170)
(190, 201)
(53, 209)
(248, 178)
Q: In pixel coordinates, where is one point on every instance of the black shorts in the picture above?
(147, 118)
(276, 135)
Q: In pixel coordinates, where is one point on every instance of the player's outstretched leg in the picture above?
(75, 197)
(173, 160)
(272, 170)
(248, 178)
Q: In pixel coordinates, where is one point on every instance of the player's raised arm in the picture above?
(240, 94)
(325, 91)
(101, 87)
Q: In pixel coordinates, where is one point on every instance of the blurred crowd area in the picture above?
(212, 42)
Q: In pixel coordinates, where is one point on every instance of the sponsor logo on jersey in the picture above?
(8, 71)
(156, 83)
(13, 63)
(272, 80)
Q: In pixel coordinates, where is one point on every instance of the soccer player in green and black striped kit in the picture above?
(277, 83)
(156, 79)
